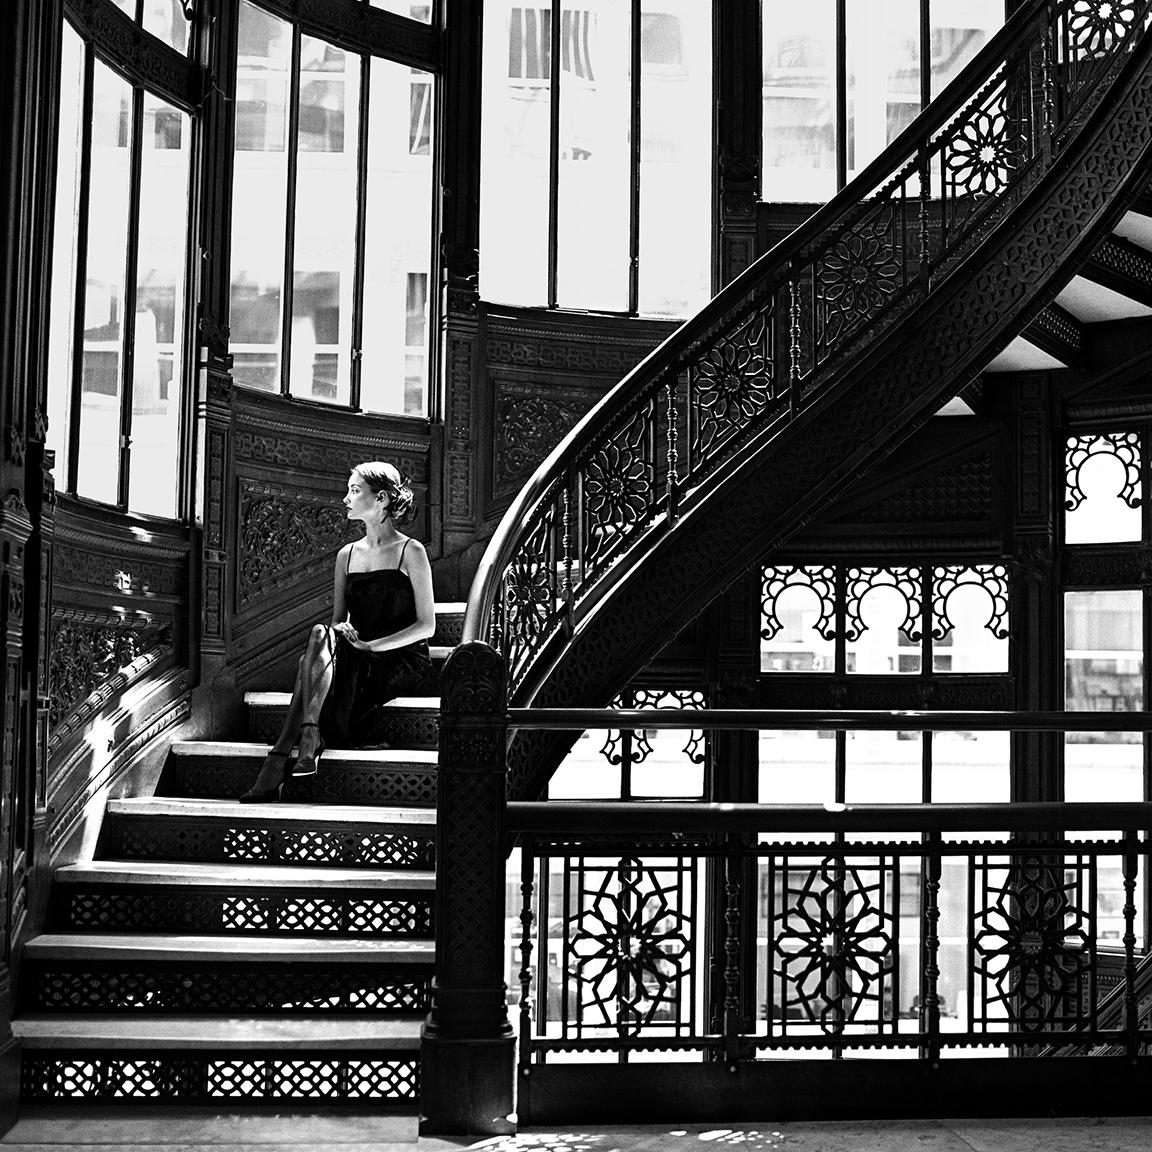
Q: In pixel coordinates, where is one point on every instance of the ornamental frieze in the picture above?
(280, 532)
(293, 451)
(83, 567)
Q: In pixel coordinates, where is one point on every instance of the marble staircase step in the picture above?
(218, 831)
(206, 769)
(243, 877)
(410, 721)
(131, 948)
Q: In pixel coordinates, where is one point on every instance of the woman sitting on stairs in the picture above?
(376, 647)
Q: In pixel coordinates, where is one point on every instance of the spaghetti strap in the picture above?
(400, 562)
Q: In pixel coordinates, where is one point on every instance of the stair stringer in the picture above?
(788, 476)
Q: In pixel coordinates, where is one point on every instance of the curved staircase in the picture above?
(226, 954)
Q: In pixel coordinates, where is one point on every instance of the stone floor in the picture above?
(102, 1131)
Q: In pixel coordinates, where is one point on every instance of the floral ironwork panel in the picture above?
(530, 585)
(820, 578)
(1033, 934)
(619, 485)
(732, 384)
(856, 277)
(832, 942)
(630, 933)
(986, 148)
(1094, 27)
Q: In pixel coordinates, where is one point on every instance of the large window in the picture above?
(596, 166)
(331, 220)
(843, 78)
(116, 361)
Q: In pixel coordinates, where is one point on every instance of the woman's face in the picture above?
(361, 501)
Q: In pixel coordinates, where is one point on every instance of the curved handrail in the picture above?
(765, 346)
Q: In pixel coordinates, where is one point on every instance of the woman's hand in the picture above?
(350, 634)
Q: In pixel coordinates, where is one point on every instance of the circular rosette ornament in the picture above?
(733, 381)
(858, 275)
(617, 486)
(1097, 26)
(984, 155)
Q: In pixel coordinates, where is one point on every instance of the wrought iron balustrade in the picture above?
(785, 332)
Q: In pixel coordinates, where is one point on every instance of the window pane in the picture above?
(883, 768)
(592, 259)
(882, 627)
(675, 160)
(104, 295)
(421, 12)
(325, 228)
(259, 196)
(970, 619)
(797, 620)
(62, 321)
(960, 29)
(799, 100)
(971, 768)
(797, 768)
(166, 20)
(397, 240)
(514, 153)
(1104, 657)
(157, 381)
(1102, 488)
(883, 75)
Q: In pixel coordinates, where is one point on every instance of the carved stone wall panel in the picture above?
(531, 420)
(283, 532)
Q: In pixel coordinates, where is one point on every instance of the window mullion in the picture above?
(72, 464)
(553, 151)
(841, 94)
(128, 325)
(355, 361)
(925, 53)
(291, 145)
(634, 159)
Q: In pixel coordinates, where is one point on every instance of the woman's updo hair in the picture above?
(381, 476)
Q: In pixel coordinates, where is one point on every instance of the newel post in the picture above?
(467, 1060)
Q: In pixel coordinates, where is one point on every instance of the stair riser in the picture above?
(216, 841)
(235, 989)
(155, 1076)
(219, 778)
(402, 727)
(79, 907)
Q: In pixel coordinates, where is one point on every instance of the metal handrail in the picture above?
(669, 817)
(1029, 87)
(819, 719)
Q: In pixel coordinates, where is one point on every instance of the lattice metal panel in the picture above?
(167, 1078)
(246, 989)
(215, 841)
(373, 785)
(1033, 941)
(77, 907)
(630, 946)
(833, 937)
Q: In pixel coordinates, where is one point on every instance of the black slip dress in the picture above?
(379, 603)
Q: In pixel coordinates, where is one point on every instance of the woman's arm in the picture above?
(419, 571)
(339, 609)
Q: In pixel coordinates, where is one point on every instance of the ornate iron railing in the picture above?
(783, 332)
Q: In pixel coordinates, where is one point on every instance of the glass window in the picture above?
(1102, 488)
(118, 274)
(885, 69)
(421, 12)
(348, 324)
(571, 203)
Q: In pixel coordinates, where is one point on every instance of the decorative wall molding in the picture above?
(530, 420)
(132, 568)
(963, 493)
(1121, 566)
(93, 655)
(275, 443)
